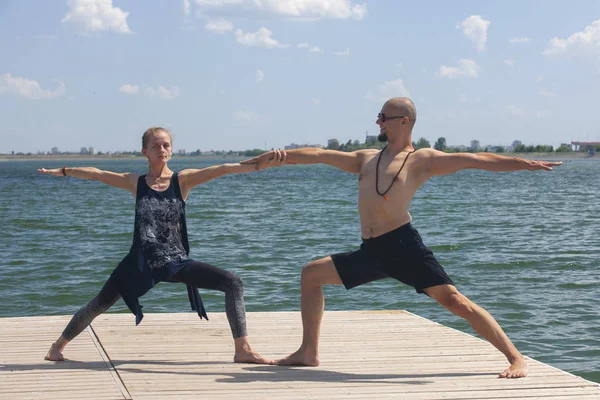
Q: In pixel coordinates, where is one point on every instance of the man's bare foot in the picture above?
(250, 357)
(517, 369)
(301, 357)
(54, 354)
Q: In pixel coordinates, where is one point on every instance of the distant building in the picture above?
(91, 151)
(83, 151)
(54, 150)
(181, 152)
(299, 146)
(475, 144)
(370, 139)
(585, 146)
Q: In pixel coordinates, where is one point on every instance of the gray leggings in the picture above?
(199, 274)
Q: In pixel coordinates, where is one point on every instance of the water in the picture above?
(524, 245)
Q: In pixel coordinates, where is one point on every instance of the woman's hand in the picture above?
(273, 158)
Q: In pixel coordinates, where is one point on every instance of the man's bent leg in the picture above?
(483, 323)
(312, 301)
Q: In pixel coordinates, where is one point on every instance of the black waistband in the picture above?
(394, 234)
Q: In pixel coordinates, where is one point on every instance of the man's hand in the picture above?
(55, 172)
(545, 165)
(273, 158)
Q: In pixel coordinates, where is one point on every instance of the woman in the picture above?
(160, 245)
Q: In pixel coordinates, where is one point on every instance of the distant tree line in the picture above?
(442, 145)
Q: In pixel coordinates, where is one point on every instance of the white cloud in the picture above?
(163, 93)
(218, 25)
(316, 102)
(217, 3)
(28, 88)
(304, 10)
(522, 39)
(260, 75)
(510, 63)
(475, 28)
(129, 89)
(466, 68)
(542, 113)
(262, 38)
(387, 90)
(313, 9)
(584, 42)
(96, 15)
(303, 45)
(343, 53)
(547, 93)
(242, 115)
(315, 49)
(514, 110)
(187, 8)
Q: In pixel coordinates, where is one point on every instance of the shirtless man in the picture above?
(388, 180)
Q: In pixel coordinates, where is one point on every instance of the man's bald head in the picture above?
(401, 106)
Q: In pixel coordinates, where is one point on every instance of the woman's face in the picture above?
(159, 148)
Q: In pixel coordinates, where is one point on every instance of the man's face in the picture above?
(389, 123)
(159, 147)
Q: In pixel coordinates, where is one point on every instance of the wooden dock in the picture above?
(364, 355)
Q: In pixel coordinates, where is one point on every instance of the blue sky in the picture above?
(239, 74)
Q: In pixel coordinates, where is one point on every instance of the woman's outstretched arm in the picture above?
(126, 180)
(188, 178)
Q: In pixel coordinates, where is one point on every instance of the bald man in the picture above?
(392, 247)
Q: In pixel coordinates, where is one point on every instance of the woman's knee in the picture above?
(235, 283)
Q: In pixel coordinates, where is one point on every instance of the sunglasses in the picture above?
(383, 118)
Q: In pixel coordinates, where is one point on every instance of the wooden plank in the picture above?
(24, 374)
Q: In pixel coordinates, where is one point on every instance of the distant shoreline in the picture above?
(76, 157)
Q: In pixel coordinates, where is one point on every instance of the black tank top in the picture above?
(160, 246)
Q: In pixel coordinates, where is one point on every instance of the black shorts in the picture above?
(399, 254)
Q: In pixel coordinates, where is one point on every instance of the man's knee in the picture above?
(456, 302)
(310, 275)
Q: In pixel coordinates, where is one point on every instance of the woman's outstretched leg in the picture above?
(83, 318)
(206, 276)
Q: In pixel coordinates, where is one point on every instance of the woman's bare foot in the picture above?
(300, 357)
(250, 357)
(517, 369)
(54, 354)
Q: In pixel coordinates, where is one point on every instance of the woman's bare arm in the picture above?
(127, 180)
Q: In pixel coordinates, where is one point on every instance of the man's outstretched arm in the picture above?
(349, 162)
(439, 163)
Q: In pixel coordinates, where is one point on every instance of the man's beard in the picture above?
(382, 137)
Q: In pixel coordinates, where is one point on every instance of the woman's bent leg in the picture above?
(206, 276)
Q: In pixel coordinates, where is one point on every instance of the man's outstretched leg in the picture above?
(312, 302)
(484, 324)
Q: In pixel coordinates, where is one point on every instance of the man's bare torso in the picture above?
(377, 215)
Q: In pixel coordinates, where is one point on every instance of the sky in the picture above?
(244, 74)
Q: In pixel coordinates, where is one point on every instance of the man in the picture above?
(388, 180)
